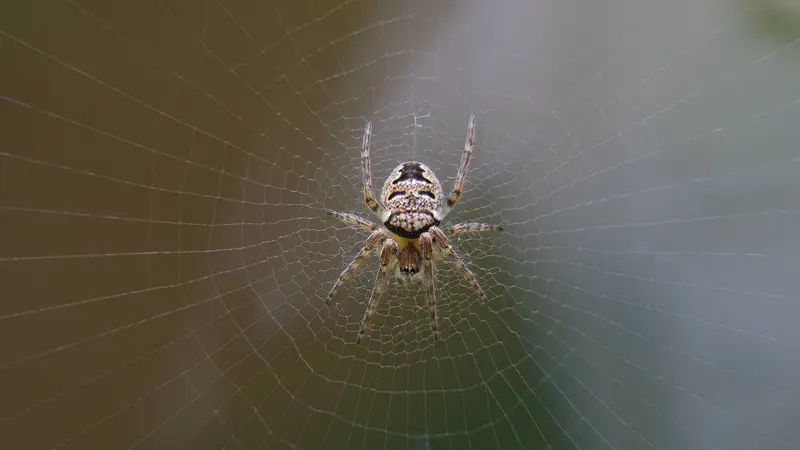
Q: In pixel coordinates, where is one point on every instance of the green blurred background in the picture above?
(165, 168)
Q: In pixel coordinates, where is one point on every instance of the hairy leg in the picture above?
(469, 145)
(426, 243)
(374, 238)
(366, 171)
(470, 227)
(353, 219)
(388, 251)
(444, 245)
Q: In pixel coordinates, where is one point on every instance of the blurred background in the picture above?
(166, 166)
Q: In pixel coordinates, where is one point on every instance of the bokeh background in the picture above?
(165, 168)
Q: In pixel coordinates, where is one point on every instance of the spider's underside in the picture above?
(411, 208)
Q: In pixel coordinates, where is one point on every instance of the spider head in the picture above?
(412, 200)
(410, 259)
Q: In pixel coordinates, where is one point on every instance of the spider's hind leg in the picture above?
(469, 145)
(366, 171)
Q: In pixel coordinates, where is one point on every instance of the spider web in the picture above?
(166, 168)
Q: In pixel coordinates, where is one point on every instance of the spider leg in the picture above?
(444, 245)
(366, 171)
(374, 238)
(388, 250)
(426, 243)
(471, 226)
(352, 219)
(469, 145)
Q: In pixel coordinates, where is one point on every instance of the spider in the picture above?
(411, 208)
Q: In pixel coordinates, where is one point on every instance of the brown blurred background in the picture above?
(165, 168)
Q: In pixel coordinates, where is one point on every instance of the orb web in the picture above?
(166, 169)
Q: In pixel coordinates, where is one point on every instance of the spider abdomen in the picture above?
(412, 199)
(410, 224)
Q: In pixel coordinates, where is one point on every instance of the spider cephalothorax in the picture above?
(411, 208)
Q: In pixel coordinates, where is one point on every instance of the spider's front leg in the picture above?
(469, 145)
(376, 236)
(388, 252)
(443, 243)
(426, 243)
